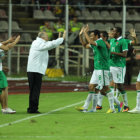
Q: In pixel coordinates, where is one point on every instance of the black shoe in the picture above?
(35, 112)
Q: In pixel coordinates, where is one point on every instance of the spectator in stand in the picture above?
(59, 26)
(58, 9)
(47, 28)
(75, 27)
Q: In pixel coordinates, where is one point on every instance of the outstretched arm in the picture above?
(11, 45)
(11, 39)
(3, 47)
(81, 38)
(90, 41)
(7, 46)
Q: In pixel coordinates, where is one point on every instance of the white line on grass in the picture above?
(43, 114)
(73, 137)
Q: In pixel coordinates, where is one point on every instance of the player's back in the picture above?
(101, 55)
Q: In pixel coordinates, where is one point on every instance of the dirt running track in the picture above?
(21, 87)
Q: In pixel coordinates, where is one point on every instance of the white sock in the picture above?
(110, 96)
(117, 93)
(112, 89)
(138, 100)
(124, 96)
(116, 101)
(88, 100)
(100, 99)
(95, 99)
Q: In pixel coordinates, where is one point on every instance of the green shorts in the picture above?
(3, 81)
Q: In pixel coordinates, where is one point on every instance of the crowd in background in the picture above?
(81, 5)
(83, 2)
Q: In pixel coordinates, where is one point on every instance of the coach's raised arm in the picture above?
(37, 65)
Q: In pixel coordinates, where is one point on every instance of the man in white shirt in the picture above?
(37, 65)
(6, 45)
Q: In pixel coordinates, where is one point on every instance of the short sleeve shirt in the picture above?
(118, 46)
(101, 55)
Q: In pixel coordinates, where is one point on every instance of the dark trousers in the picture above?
(129, 72)
(35, 81)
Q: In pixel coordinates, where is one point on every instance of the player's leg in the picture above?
(115, 71)
(110, 96)
(100, 100)
(103, 86)
(4, 95)
(89, 98)
(4, 98)
(119, 80)
(120, 87)
(137, 109)
(95, 80)
(94, 96)
(138, 94)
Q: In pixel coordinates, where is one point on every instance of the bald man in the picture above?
(37, 65)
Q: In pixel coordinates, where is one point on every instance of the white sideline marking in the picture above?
(43, 114)
(87, 137)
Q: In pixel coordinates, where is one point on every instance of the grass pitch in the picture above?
(60, 121)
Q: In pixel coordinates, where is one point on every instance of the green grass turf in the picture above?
(68, 124)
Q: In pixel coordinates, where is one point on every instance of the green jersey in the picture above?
(101, 55)
(128, 41)
(118, 46)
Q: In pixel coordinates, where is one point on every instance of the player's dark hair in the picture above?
(105, 34)
(97, 32)
(119, 30)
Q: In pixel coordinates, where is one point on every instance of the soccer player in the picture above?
(119, 48)
(112, 85)
(104, 35)
(6, 45)
(84, 43)
(100, 96)
(137, 108)
(100, 77)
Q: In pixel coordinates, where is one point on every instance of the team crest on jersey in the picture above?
(117, 43)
